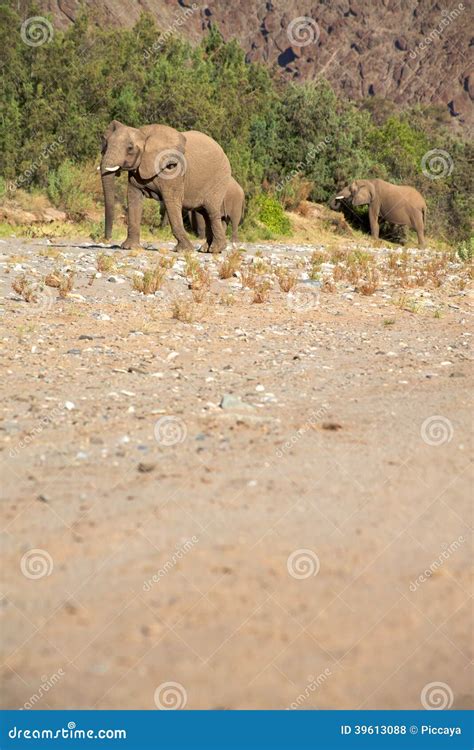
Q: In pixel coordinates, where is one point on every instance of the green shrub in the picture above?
(465, 250)
(151, 214)
(271, 214)
(68, 189)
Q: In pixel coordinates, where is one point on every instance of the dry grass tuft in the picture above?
(63, 282)
(153, 278)
(261, 291)
(198, 276)
(286, 279)
(261, 267)
(370, 283)
(316, 261)
(151, 281)
(105, 263)
(230, 265)
(248, 277)
(227, 299)
(182, 310)
(25, 288)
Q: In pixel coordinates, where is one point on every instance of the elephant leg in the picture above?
(135, 210)
(234, 222)
(164, 216)
(175, 215)
(208, 236)
(374, 222)
(420, 230)
(200, 225)
(219, 241)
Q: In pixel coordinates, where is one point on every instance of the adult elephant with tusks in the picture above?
(182, 169)
(398, 204)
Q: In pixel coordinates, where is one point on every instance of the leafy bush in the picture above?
(272, 215)
(465, 250)
(69, 189)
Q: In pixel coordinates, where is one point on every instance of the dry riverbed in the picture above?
(265, 504)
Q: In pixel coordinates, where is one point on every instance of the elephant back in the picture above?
(207, 166)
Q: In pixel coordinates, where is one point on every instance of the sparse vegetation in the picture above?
(61, 281)
(369, 285)
(286, 279)
(26, 288)
(105, 263)
(151, 281)
(182, 310)
(248, 277)
(261, 291)
(230, 265)
(465, 250)
(200, 283)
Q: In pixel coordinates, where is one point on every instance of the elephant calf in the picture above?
(184, 170)
(399, 204)
(231, 212)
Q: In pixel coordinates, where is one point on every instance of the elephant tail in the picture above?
(424, 211)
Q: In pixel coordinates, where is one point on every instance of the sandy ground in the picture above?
(262, 553)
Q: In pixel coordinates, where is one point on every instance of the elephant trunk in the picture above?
(108, 186)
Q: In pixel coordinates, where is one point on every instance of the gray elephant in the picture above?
(231, 212)
(184, 170)
(398, 204)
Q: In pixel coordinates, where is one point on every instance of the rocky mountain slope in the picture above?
(406, 51)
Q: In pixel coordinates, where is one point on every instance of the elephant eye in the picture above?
(171, 166)
(130, 148)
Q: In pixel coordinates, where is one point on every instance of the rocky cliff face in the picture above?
(407, 51)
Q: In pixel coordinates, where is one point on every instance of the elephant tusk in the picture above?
(111, 169)
(339, 198)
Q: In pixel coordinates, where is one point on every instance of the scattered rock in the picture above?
(229, 401)
(146, 467)
(332, 426)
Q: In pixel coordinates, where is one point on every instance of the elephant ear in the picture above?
(363, 195)
(112, 127)
(163, 152)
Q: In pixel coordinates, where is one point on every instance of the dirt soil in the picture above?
(266, 507)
